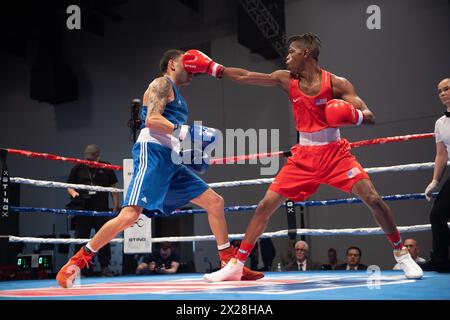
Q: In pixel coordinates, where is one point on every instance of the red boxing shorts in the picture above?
(310, 166)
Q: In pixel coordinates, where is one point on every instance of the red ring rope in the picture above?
(48, 156)
(391, 139)
(234, 159)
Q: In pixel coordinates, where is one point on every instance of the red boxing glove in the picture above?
(341, 113)
(195, 61)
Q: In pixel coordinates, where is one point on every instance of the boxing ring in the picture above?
(372, 284)
(308, 285)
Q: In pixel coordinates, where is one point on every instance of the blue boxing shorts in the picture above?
(158, 185)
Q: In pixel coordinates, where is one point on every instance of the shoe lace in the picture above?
(85, 260)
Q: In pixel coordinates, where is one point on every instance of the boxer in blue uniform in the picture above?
(161, 182)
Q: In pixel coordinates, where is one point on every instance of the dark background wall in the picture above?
(395, 70)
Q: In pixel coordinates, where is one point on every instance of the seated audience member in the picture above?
(235, 243)
(332, 260)
(254, 257)
(165, 260)
(353, 255)
(301, 261)
(414, 250)
(268, 253)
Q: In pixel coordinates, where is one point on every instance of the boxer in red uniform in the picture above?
(321, 102)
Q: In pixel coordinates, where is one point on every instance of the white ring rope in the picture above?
(239, 183)
(403, 167)
(281, 233)
(51, 184)
(54, 240)
(397, 168)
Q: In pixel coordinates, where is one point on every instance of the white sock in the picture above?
(223, 246)
(240, 262)
(90, 248)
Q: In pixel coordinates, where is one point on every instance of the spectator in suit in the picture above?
(302, 262)
(268, 253)
(414, 250)
(166, 260)
(254, 257)
(353, 255)
(262, 255)
(332, 260)
(235, 243)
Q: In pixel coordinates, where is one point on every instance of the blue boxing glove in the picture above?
(201, 136)
(196, 160)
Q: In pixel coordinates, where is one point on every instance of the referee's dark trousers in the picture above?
(439, 228)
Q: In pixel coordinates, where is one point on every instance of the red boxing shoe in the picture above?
(72, 269)
(250, 275)
(247, 274)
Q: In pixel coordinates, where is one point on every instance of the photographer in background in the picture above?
(92, 201)
(165, 260)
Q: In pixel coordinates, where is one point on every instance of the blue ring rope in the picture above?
(313, 203)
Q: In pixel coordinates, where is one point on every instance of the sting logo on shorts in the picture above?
(353, 172)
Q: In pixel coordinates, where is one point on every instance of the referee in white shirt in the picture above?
(441, 209)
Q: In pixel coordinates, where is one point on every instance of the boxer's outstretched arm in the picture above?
(156, 98)
(343, 89)
(277, 78)
(195, 61)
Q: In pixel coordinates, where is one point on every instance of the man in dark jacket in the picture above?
(353, 260)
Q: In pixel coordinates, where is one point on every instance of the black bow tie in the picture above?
(447, 114)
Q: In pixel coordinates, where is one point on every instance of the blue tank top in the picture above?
(176, 111)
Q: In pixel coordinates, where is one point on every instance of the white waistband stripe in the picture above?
(319, 138)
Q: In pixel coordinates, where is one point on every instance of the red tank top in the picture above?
(309, 111)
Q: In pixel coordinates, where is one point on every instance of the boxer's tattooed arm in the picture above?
(157, 95)
(155, 98)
